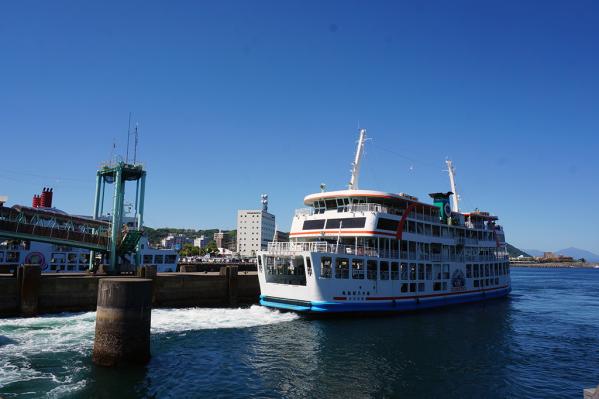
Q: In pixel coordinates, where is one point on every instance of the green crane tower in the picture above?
(123, 240)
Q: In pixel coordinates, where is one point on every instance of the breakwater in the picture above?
(32, 293)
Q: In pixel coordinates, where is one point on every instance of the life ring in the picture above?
(447, 209)
(36, 258)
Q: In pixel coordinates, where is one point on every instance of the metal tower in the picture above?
(123, 239)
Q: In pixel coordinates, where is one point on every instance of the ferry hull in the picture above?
(384, 306)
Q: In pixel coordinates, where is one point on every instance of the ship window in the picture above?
(387, 224)
(444, 286)
(358, 269)
(420, 287)
(308, 265)
(404, 287)
(420, 228)
(412, 287)
(412, 271)
(411, 227)
(347, 223)
(394, 271)
(384, 270)
(342, 268)
(158, 259)
(170, 258)
(420, 271)
(404, 271)
(313, 224)
(437, 286)
(476, 274)
(468, 271)
(429, 272)
(325, 267)
(13, 257)
(496, 280)
(446, 272)
(1, 257)
(371, 269)
(147, 259)
(330, 204)
(476, 283)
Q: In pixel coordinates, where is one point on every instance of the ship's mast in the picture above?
(355, 172)
(451, 172)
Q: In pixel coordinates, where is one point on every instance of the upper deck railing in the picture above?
(319, 246)
(294, 248)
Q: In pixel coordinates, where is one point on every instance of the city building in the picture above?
(175, 241)
(255, 229)
(200, 242)
(222, 239)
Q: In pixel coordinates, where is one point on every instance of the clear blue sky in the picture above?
(239, 98)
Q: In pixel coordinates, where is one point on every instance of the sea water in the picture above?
(541, 341)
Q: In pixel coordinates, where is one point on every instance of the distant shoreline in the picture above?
(574, 265)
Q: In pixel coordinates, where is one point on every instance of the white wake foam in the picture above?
(70, 336)
(174, 320)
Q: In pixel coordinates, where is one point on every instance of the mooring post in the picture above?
(30, 276)
(123, 321)
(230, 273)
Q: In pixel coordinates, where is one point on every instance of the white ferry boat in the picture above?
(370, 251)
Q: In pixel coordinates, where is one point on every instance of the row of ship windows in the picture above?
(392, 225)
(15, 257)
(404, 271)
(438, 286)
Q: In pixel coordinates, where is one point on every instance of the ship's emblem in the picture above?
(458, 282)
(36, 258)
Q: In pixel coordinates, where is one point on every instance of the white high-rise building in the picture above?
(255, 229)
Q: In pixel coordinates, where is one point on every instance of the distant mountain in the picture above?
(578, 253)
(534, 252)
(515, 252)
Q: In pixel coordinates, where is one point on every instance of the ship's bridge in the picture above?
(371, 213)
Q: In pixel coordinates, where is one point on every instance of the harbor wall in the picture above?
(75, 293)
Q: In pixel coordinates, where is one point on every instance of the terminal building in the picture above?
(255, 229)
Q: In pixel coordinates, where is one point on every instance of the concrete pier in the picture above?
(77, 292)
(123, 321)
(30, 276)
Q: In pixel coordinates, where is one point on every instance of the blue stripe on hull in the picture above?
(387, 306)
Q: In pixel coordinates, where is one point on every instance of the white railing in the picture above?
(319, 246)
(304, 212)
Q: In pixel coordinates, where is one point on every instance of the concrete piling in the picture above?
(123, 321)
(189, 268)
(231, 272)
(28, 278)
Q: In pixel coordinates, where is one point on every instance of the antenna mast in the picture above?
(355, 172)
(135, 147)
(128, 137)
(451, 172)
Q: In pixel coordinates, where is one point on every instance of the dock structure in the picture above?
(55, 293)
(123, 240)
(104, 234)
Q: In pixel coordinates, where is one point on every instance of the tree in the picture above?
(189, 250)
(211, 248)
